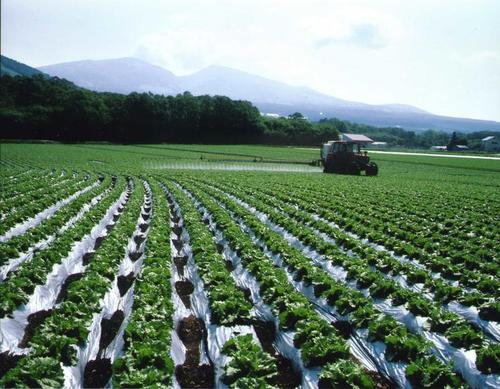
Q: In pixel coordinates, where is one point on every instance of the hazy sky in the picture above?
(439, 55)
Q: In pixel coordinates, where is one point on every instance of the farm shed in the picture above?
(490, 143)
(458, 148)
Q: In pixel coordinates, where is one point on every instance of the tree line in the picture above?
(52, 108)
(41, 107)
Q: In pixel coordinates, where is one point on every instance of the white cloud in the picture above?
(361, 35)
(372, 51)
(481, 57)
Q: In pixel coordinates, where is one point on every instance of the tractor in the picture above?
(345, 156)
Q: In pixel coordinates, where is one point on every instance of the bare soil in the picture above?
(178, 243)
(67, 282)
(287, 377)
(343, 327)
(98, 242)
(7, 362)
(138, 239)
(180, 262)
(184, 289)
(97, 373)
(34, 320)
(134, 255)
(192, 331)
(125, 282)
(195, 376)
(229, 265)
(266, 332)
(109, 328)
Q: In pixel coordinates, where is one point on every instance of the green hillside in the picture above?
(14, 68)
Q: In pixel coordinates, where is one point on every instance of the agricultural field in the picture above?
(245, 266)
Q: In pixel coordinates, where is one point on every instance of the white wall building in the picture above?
(490, 143)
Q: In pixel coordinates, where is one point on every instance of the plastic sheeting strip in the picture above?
(216, 335)
(111, 303)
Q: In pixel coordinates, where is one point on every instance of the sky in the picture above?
(442, 56)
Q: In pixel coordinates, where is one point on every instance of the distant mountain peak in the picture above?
(121, 75)
(130, 74)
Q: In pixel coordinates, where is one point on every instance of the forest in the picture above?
(40, 107)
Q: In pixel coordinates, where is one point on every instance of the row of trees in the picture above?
(41, 108)
(51, 108)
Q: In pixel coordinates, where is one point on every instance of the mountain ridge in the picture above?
(12, 67)
(204, 81)
(126, 75)
(116, 75)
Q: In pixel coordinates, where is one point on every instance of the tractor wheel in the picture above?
(353, 169)
(328, 168)
(371, 169)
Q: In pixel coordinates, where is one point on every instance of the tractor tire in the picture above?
(371, 169)
(353, 169)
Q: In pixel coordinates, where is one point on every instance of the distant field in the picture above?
(180, 155)
(245, 266)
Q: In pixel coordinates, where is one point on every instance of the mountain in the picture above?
(387, 118)
(236, 84)
(126, 75)
(13, 68)
(242, 85)
(122, 75)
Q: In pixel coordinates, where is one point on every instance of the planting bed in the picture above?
(114, 275)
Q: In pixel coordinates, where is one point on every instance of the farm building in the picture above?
(458, 148)
(450, 148)
(490, 143)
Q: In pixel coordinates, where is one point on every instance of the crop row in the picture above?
(461, 241)
(292, 307)
(26, 216)
(27, 187)
(29, 192)
(17, 289)
(473, 272)
(458, 334)
(388, 269)
(196, 321)
(214, 280)
(358, 306)
(67, 324)
(20, 244)
(146, 358)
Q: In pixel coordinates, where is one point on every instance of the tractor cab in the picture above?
(346, 157)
